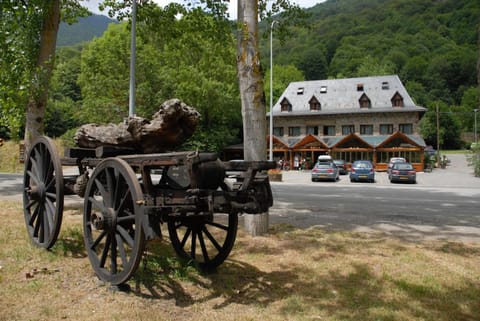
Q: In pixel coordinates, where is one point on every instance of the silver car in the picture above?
(327, 171)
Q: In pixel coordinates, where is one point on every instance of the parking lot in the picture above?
(457, 175)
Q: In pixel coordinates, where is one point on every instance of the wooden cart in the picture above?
(127, 196)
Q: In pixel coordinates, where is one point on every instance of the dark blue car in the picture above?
(362, 170)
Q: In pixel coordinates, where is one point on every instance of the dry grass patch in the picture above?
(9, 158)
(291, 274)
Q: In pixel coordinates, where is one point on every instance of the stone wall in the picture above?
(339, 120)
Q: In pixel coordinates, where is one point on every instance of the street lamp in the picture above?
(476, 140)
(271, 91)
(133, 47)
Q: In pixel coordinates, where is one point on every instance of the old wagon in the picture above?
(128, 196)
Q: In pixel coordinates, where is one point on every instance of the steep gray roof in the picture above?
(339, 96)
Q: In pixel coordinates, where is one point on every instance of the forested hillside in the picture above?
(84, 30)
(431, 44)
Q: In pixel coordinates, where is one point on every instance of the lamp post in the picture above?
(475, 127)
(133, 45)
(271, 91)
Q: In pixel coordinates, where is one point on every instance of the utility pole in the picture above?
(271, 91)
(476, 139)
(438, 135)
(133, 47)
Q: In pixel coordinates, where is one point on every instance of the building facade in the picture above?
(356, 118)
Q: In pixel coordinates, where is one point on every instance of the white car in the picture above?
(394, 160)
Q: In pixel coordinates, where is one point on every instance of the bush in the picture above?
(473, 158)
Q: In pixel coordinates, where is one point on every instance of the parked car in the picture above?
(342, 166)
(402, 172)
(362, 170)
(430, 150)
(325, 171)
(394, 160)
(325, 159)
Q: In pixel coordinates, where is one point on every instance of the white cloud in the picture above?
(93, 5)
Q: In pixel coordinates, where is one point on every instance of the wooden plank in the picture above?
(112, 151)
(76, 152)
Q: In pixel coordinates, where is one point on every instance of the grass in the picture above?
(9, 158)
(291, 274)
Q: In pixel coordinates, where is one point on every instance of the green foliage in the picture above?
(431, 45)
(104, 76)
(194, 61)
(282, 77)
(59, 117)
(19, 35)
(449, 128)
(20, 26)
(473, 159)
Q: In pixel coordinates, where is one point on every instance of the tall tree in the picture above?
(252, 97)
(251, 82)
(29, 33)
(35, 113)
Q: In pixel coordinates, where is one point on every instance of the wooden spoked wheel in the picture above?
(202, 238)
(43, 193)
(112, 221)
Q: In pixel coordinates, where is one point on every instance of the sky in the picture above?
(93, 5)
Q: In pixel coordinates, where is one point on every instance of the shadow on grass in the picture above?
(353, 291)
(333, 283)
(70, 243)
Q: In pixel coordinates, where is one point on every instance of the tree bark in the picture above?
(35, 113)
(170, 126)
(252, 98)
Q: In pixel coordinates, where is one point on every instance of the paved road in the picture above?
(443, 204)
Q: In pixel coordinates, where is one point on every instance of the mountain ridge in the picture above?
(86, 29)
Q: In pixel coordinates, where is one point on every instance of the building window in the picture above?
(386, 129)
(285, 105)
(278, 131)
(294, 131)
(385, 85)
(300, 91)
(348, 129)
(312, 130)
(359, 87)
(406, 128)
(364, 101)
(314, 104)
(323, 89)
(366, 129)
(397, 100)
(329, 130)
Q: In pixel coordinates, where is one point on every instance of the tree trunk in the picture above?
(37, 102)
(252, 98)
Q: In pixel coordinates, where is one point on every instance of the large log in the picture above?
(170, 126)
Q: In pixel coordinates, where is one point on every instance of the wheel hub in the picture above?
(104, 220)
(36, 193)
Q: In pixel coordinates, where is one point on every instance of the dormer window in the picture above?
(385, 85)
(364, 101)
(285, 105)
(300, 91)
(397, 100)
(314, 104)
(359, 87)
(323, 89)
